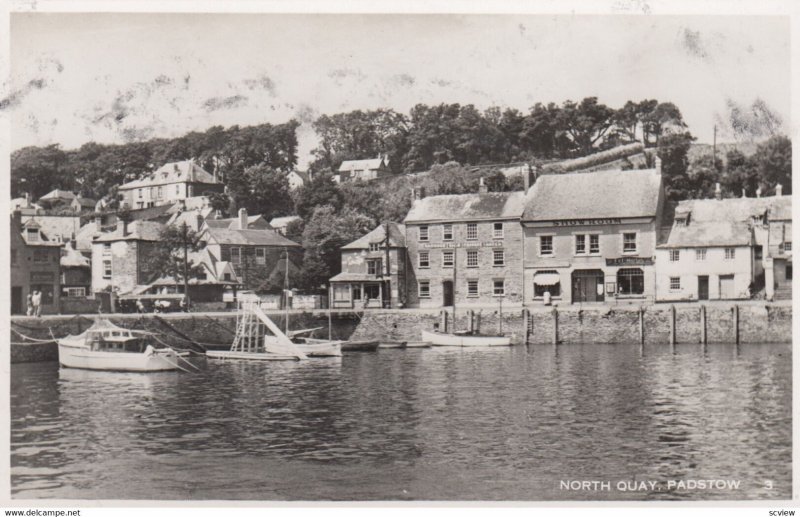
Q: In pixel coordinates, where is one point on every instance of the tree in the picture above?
(664, 117)
(773, 158)
(321, 190)
(585, 123)
(261, 190)
(170, 256)
(702, 175)
(741, 172)
(673, 150)
(38, 170)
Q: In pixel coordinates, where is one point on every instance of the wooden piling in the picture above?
(736, 324)
(471, 318)
(672, 337)
(478, 323)
(555, 326)
(443, 324)
(641, 325)
(526, 320)
(703, 327)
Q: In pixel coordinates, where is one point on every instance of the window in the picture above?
(680, 221)
(499, 288)
(177, 190)
(33, 235)
(374, 246)
(499, 257)
(226, 277)
(730, 253)
(236, 255)
(447, 232)
(546, 281)
(423, 233)
(472, 258)
(699, 255)
(374, 267)
(497, 231)
(674, 255)
(545, 245)
(261, 256)
(356, 292)
(13, 257)
(594, 243)
(629, 243)
(758, 252)
(472, 288)
(160, 193)
(106, 269)
(107, 249)
(630, 281)
(472, 231)
(424, 259)
(341, 293)
(674, 283)
(447, 258)
(74, 292)
(141, 193)
(787, 246)
(424, 288)
(47, 292)
(580, 244)
(40, 256)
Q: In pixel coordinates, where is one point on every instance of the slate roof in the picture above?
(700, 234)
(594, 195)
(397, 237)
(302, 175)
(254, 222)
(249, 237)
(74, 258)
(175, 172)
(738, 209)
(355, 277)
(58, 194)
(137, 231)
(360, 165)
(467, 207)
(281, 222)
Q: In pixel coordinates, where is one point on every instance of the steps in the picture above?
(783, 292)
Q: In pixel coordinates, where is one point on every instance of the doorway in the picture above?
(16, 301)
(588, 286)
(726, 287)
(702, 287)
(447, 293)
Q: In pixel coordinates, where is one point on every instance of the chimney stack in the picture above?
(658, 165)
(482, 188)
(778, 190)
(242, 218)
(744, 193)
(718, 192)
(758, 192)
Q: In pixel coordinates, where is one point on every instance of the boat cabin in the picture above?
(117, 341)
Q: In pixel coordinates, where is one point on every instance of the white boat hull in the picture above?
(249, 356)
(151, 360)
(321, 348)
(467, 340)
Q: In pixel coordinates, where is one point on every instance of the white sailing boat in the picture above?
(105, 346)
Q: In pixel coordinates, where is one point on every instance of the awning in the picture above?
(546, 278)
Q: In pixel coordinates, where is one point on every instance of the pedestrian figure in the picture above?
(139, 306)
(30, 304)
(37, 303)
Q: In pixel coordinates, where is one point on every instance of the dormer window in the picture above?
(33, 235)
(374, 246)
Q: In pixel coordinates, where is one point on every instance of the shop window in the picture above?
(580, 244)
(447, 259)
(499, 288)
(341, 293)
(546, 281)
(447, 232)
(629, 242)
(372, 292)
(499, 257)
(424, 289)
(545, 245)
(675, 283)
(472, 288)
(700, 255)
(424, 259)
(423, 233)
(47, 292)
(674, 255)
(730, 253)
(594, 244)
(630, 281)
(497, 231)
(472, 231)
(472, 258)
(74, 292)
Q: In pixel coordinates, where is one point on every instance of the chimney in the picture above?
(482, 188)
(718, 192)
(744, 193)
(123, 225)
(658, 165)
(175, 167)
(778, 190)
(98, 223)
(242, 218)
(758, 192)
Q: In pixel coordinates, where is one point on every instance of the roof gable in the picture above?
(397, 237)
(175, 172)
(467, 207)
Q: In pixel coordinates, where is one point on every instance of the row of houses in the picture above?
(572, 238)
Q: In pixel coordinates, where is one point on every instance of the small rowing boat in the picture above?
(464, 339)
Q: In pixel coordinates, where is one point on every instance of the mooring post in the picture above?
(478, 323)
(555, 326)
(526, 321)
(641, 325)
(703, 328)
(471, 317)
(672, 337)
(736, 324)
(444, 321)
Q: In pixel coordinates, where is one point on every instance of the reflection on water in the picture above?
(494, 424)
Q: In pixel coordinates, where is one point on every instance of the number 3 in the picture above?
(768, 484)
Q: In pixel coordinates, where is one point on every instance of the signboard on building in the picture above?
(588, 222)
(41, 276)
(476, 244)
(630, 261)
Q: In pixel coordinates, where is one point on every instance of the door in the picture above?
(16, 301)
(702, 288)
(726, 290)
(588, 286)
(447, 293)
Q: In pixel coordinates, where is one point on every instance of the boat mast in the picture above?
(455, 283)
(286, 292)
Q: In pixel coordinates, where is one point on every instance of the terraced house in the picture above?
(591, 237)
(465, 249)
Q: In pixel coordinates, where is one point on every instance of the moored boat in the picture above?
(105, 346)
(465, 339)
(359, 346)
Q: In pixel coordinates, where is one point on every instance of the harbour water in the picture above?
(422, 424)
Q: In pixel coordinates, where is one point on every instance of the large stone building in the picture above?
(727, 249)
(170, 183)
(373, 274)
(34, 266)
(591, 237)
(120, 257)
(465, 249)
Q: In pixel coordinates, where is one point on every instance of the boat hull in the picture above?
(320, 348)
(439, 339)
(359, 346)
(249, 356)
(82, 357)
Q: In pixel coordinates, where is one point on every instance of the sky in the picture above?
(114, 78)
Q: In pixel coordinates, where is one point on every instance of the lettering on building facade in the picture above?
(587, 222)
(630, 261)
(446, 245)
